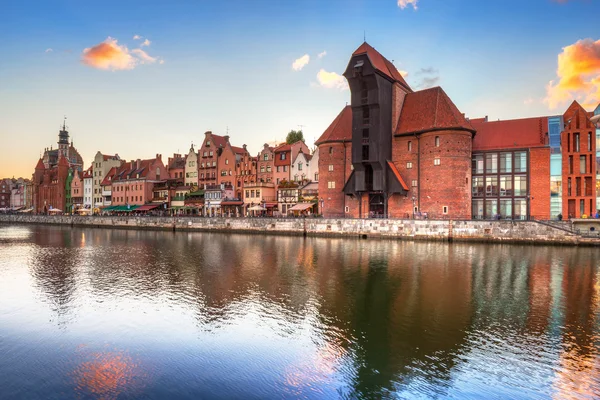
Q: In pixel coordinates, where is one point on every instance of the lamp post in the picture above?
(322, 204)
(414, 201)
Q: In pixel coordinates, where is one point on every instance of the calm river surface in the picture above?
(159, 315)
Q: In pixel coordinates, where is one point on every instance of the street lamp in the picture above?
(414, 201)
(322, 205)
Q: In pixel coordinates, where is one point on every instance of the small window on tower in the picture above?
(409, 145)
(445, 209)
(437, 141)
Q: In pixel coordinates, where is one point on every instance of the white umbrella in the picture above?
(55, 210)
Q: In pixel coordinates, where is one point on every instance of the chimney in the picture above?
(244, 146)
(137, 163)
(486, 118)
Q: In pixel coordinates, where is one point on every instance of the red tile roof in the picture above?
(381, 63)
(130, 170)
(282, 147)
(238, 150)
(340, 129)
(40, 164)
(107, 157)
(218, 141)
(513, 133)
(109, 176)
(428, 110)
(397, 175)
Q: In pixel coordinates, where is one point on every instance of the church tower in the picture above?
(63, 141)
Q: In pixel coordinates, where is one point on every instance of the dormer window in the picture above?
(208, 143)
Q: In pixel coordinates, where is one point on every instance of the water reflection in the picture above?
(261, 316)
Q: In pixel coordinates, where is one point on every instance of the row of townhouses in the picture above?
(393, 152)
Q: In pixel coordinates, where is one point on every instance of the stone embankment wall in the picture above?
(480, 231)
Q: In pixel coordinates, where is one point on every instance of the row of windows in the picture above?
(582, 164)
(575, 142)
(214, 164)
(436, 143)
(499, 209)
(499, 162)
(504, 186)
(587, 189)
(125, 199)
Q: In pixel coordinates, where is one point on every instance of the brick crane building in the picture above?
(395, 152)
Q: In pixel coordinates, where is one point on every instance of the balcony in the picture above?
(106, 192)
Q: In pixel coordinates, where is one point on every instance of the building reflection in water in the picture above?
(351, 317)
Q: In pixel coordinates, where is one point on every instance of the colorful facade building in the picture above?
(77, 192)
(176, 167)
(208, 158)
(88, 187)
(134, 181)
(246, 171)
(191, 168)
(101, 165)
(284, 155)
(395, 152)
(6, 186)
(260, 194)
(265, 164)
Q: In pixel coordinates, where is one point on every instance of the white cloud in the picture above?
(143, 56)
(528, 101)
(299, 63)
(403, 73)
(331, 80)
(49, 50)
(145, 43)
(137, 37)
(405, 3)
(322, 54)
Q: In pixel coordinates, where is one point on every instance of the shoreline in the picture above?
(480, 231)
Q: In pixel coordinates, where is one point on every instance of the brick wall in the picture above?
(539, 181)
(338, 155)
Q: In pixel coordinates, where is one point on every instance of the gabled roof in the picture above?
(178, 162)
(282, 147)
(340, 129)
(107, 157)
(513, 133)
(381, 64)
(238, 150)
(430, 110)
(40, 164)
(217, 140)
(109, 177)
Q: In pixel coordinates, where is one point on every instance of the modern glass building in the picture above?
(555, 127)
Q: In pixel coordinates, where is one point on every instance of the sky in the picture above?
(140, 78)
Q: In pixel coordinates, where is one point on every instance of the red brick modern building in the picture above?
(394, 152)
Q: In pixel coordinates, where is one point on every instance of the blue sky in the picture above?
(229, 65)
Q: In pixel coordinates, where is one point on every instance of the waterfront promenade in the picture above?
(533, 232)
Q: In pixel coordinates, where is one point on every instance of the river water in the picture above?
(100, 313)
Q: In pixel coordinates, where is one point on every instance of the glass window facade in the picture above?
(499, 185)
(555, 127)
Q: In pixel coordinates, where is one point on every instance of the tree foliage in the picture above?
(294, 136)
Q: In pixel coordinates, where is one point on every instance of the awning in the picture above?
(147, 207)
(301, 206)
(257, 208)
(270, 205)
(232, 203)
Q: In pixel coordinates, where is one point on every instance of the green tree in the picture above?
(294, 136)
